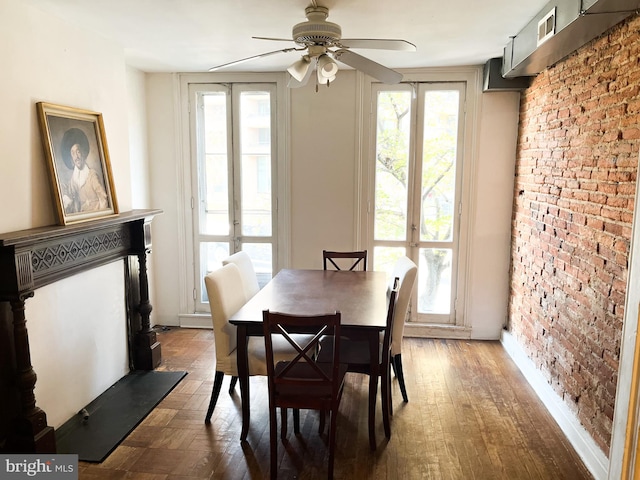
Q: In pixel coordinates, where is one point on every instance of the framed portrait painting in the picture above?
(77, 157)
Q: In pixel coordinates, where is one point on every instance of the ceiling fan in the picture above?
(323, 44)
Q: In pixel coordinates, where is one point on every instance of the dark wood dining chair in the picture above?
(356, 354)
(303, 382)
(359, 260)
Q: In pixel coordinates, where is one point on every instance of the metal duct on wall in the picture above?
(493, 81)
(558, 30)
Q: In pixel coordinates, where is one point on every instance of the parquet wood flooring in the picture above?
(471, 415)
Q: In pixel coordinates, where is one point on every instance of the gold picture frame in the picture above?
(77, 156)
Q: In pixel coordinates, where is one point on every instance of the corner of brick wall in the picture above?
(576, 167)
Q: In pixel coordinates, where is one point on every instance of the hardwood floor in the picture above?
(471, 415)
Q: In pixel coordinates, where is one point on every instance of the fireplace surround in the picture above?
(30, 259)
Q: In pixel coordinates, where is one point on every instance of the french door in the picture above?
(233, 140)
(418, 177)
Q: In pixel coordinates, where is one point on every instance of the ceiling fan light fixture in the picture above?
(323, 43)
(299, 68)
(323, 80)
(327, 67)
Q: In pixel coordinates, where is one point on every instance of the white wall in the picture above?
(138, 152)
(45, 59)
(166, 187)
(323, 170)
(489, 259)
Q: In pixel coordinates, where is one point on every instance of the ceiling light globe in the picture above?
(298, 69)
(327, 67)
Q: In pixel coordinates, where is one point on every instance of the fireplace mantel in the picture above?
(30, 259)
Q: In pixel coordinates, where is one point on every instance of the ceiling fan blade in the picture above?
(274, 39)
(374, 69)
(237, 62)
(378, 43)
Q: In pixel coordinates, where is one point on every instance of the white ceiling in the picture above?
(194, 35)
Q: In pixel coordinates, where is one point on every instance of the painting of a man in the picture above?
(84, 192)
(75, 148)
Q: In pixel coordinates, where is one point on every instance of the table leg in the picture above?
(243, 377)
(374, 341)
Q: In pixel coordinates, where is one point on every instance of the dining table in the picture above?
(360, 297)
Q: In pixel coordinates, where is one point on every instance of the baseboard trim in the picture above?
(195, 320)
(592, 456)
(421, 330)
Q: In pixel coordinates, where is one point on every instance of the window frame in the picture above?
(472, 77)
(191, 314)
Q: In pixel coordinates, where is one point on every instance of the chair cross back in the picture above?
(281, 376)
(303, 369)
(359, 257)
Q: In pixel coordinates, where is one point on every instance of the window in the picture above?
(234, 145)
(417, 136)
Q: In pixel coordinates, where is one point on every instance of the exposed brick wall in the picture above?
(576, 169)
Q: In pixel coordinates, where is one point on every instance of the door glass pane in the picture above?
(439, 165)
(214, 182)
(255, 146)
(385, 258)
(392, 165)
(434, 280)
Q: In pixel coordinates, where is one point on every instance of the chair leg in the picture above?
(393, 365)
(296, 421)
(373, 393)
(332, 440)
(385, 390)
(321, 422)
(390, 395)
(217, 385)
(397, 360)
(273, 440)
(283, 423)
(232, 384)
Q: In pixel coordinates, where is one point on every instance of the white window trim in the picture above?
(186, 275)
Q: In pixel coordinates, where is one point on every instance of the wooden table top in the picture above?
(359, 296)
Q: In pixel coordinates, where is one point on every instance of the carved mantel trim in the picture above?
(30, 259)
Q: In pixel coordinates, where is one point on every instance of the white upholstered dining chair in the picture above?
(406, 270)
(247, 272)
(226, 296)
